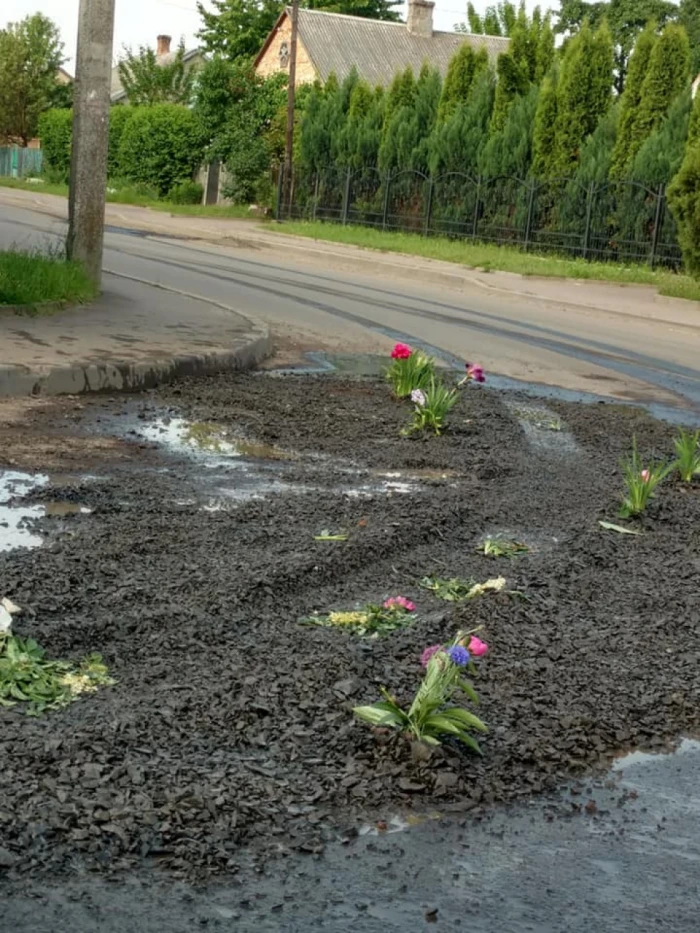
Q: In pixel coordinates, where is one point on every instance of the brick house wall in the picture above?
(271, 63)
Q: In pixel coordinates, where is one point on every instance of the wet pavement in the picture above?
(618, 854)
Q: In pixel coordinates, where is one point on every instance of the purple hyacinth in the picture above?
(458, 655)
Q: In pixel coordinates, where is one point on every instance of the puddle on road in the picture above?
(398, 824)
(13, 519)
(637, 759)
(208, 438)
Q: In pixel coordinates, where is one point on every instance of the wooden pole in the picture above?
(291, 96)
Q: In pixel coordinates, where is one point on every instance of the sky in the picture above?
(138, 22)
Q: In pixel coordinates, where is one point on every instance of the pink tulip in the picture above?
(401, 352)
(399, 602)
(646, 476)
(477, 648)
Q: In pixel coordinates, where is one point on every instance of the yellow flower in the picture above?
(347, 618)
(78, 683)
(496, 584)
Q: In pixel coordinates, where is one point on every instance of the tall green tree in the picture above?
(147, 81)
(684, 202)
(544, 138)
(694, 122)
(456, 143)
(497, 20)
(584, 93)
(689, 18)
(667, 75)
(31, 53)
(661, 155)
(625, 18)
(509, 152)
(463, 71)
(406, 142)
(630, 101)
(237, 29)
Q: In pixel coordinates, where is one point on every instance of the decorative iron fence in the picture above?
(17, 162)
(614, 221)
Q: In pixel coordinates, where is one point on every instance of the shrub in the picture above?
(684, 201)
(56, 134)
(119, 116)
(161, 146)
(187, 192)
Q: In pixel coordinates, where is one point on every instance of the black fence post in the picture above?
(428, 209)
(316, 187)
(589, 217)
(658, 218)
(477, 204)
(530, 211)
(385, 200)
(346, 196)
(280, 189)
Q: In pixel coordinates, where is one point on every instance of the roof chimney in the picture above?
(419, 21)
(163, 45)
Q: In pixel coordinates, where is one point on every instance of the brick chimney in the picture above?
(419, 21)
(163, 45)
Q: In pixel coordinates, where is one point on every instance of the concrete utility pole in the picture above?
(291, 96)
(88, 173)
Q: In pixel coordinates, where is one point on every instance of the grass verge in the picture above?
(31, 278)
(130, 195)
(496, 258)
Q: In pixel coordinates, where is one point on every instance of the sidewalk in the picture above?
(133, 336)
(636, 301)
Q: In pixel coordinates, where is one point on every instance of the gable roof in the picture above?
(337, 43)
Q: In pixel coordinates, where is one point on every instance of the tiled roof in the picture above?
(337, 43)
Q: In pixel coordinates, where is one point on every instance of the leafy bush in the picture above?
(119, 116)
(187, 192)
(161, 146)
(56, 134)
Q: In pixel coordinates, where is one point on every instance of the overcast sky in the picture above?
(138, 22)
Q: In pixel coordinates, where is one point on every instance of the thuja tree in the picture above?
(584, 94)
(684, 201)
(407, 130)
(455, 144)
(463, 71)
(545, 128)
(666, 76)
(630, 101)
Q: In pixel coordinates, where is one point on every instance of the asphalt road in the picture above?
(652, 359)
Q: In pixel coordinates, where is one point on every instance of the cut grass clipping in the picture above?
(27, 676)
(32, 278)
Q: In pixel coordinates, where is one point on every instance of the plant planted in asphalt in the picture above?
(474, 373)
(410, 369)
(431, 407)
(687, 444)
(432, 716)
(640, 482)
(394, 613)
(27, 676)
(501, 547)
(456, 590)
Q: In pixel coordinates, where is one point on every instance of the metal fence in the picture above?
(614, 221)
(16, 162)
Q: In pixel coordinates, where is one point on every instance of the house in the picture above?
(164, 56)
(335, 43)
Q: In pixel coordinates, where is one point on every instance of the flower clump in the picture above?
(373, 620)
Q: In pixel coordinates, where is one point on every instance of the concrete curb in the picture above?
(115, 375)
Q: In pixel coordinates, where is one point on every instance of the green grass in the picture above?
(31, 278)
(491, 258)
(129, 194)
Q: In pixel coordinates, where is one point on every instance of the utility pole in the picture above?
(88, 173)
(291, 96)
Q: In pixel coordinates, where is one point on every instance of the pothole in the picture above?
(209, 438)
